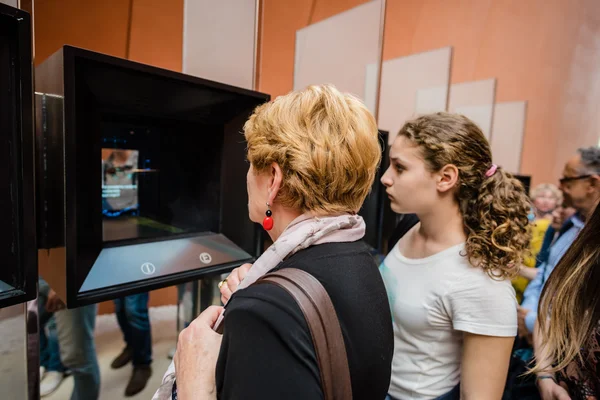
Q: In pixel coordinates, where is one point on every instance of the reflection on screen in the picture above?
(159, 178)
(119, 181)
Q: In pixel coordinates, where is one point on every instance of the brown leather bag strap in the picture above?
(324, 326)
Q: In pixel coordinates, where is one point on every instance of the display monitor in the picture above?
(159, 179)
(144, 180)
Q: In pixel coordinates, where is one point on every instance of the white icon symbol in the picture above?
(148, 268)
(205, 258)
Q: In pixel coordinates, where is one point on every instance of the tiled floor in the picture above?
(109, 343)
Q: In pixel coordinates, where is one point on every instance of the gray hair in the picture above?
(590, 158)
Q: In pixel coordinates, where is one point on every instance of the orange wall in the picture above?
(95, 25)
(157, 33)
(542, 51)
(156, 38)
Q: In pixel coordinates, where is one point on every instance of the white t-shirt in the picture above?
(433, 301)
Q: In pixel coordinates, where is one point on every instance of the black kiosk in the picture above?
(18, 252)
(142, 176)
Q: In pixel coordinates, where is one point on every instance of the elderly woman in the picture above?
(546, 198)
(313, 156)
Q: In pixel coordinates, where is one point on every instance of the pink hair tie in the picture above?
(491, 171)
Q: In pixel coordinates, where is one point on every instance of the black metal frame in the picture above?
(24, 143)
(56, 77)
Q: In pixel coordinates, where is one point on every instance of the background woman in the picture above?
(546, 198)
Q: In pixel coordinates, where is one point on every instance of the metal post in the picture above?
(204, 294)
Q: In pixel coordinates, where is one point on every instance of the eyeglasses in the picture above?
(573, 178)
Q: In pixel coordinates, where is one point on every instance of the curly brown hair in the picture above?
(495, 209)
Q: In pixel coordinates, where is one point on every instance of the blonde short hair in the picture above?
(543, 187)
(326, 144)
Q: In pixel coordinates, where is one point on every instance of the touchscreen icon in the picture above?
(148, 268)
(205, 258)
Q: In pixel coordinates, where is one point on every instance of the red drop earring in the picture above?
(268, 221)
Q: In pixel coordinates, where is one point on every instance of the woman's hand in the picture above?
(550, 390)
(232, 282)
(196, 357)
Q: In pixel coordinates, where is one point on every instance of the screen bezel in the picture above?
(23, 137)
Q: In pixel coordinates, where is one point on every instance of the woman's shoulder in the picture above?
(325, 262)
(482, 304)
(483, 285)
(265, 305)
(475, 273)
(346, 270)
(338, 266)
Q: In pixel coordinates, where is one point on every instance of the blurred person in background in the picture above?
(580, 185)
(545, 198)
(560, 216)
(134, 321)
(52, 371)
(581, 190)
(574, 315)
(75, 330)
(521, 386)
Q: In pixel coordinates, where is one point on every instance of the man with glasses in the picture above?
(580, 185)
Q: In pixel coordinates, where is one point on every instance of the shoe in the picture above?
(51, 382)
(171, 353)
(42, 373)
(139, 379)
(122, 359)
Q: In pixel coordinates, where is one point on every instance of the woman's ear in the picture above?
(274, 182)
(447, 178)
